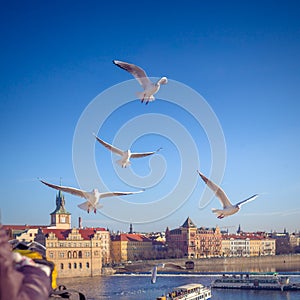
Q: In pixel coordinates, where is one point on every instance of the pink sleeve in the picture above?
(28, 283)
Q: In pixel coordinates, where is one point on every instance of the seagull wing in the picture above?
(66, 189)
(137, 155)
(217, 190)
(111, 194)
(110, 147)
(247, 200)
(139, 74)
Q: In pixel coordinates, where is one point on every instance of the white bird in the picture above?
(126, 155)
(154, 272)
(150, 88)
(92, 197)
(228, 207)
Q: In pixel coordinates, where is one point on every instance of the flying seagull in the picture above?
(150, 88)
(126, 155)
(92, 197)
(228, 207)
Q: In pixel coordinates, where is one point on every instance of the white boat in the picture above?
(254, 282)
(192, 291)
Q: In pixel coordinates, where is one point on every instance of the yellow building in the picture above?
(247, 245)
(255, 246)
(129, 246)
(76, 252)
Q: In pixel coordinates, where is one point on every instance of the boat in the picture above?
(192, 291)
(255, 282)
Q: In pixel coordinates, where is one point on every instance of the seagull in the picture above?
(150, 88)
(228, 207)
(126, 155)
(92, 197)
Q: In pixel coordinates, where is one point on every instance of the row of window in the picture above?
(80, 245)
(62, 266)
(73, 254)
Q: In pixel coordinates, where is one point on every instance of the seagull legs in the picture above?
(142, 100)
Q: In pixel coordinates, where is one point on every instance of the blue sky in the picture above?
(243, 57)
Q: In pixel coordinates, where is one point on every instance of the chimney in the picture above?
(80, 223)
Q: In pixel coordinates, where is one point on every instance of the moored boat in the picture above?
(255, 282)
(192, 291)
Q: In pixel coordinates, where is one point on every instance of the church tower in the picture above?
(60, 218)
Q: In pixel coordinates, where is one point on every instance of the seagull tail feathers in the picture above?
(123, 164)
(84, 206)
(218, 212)
(143, 98)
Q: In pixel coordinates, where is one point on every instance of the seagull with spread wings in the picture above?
(228, 207)
(92, 197)
(125, 155)
(150, 88)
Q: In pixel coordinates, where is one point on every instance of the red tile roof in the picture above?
(62, 234)
(132, 237)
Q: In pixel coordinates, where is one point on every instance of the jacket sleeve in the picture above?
(26, 283)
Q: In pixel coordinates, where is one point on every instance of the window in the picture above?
(75, 265)
(70, 266)
(74, 254)
(69, 254)
(87, 265)
(80, 265)
(61, 266)
(80, 254)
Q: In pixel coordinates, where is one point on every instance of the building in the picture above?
(76, 252)
(24, 233)
(282, 239)
(234, 245)
(60, 218)
(192, 242)
(208, 242)
(294, 240)
(130, 247)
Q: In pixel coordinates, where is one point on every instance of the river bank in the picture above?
(276, 263)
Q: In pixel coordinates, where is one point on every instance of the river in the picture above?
(139, 287)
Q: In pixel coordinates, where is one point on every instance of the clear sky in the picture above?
(242, 57)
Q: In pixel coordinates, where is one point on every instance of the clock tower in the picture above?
(60, 218)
